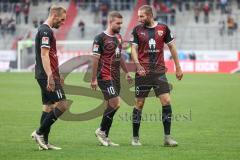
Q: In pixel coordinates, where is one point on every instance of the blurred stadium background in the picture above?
(207, 32)
(208, 41)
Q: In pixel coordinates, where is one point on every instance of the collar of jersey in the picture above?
(105, 32)
(153, 25)
(47, 25)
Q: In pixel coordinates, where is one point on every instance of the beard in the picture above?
(116, 30)
(146, 23)
(56, 25)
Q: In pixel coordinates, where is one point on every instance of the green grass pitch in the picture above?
(206, 122)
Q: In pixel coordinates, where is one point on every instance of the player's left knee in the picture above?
(165, 101)
(47, 108)
(63, 105)
(114, 102)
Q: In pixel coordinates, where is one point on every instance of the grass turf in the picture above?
(206, 116)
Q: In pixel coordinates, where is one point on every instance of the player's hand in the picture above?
(94, 84)
(141, 71)
(179, 73)
(50, 84)
(129, 78)
(61, 80)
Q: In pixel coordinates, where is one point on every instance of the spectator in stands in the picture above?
(11, 26)
(223, 4)
(187, 5)
(35, 22)
(17, 9)
(81, 26)
(5, 6)
(238, 3)
(26, 7)
(197, 10)
(104, 9)
(230, 24)
(192, 56)
(206, 10)
(173, 16)
(4, 25)
(179, 3)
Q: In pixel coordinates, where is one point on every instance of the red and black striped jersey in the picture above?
(150, 43)
(45, 38)
(109, 48)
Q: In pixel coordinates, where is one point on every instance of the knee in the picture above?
(63, 105)
(114, 102)
(139, 104)
(47, 108)
(166, 101)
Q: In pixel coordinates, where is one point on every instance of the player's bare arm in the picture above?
(47, 68)
(140, 70)
(95, 60)
(124, 68)
(173, 50)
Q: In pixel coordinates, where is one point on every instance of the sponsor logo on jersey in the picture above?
(118, 54)
(160, 33)
(152, 47)
(152, 44)
(95, 47)
(45, 40)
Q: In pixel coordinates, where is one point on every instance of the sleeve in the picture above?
(97, 45)
(169, 36)
(134, 37)
(45, 38)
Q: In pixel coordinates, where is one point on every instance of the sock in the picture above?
(49, 120)
(136, 120)
(44, 114)
(107, 119)
(166, 118)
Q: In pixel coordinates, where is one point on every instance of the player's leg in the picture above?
(162, 91)
(166, 119)
(45, 110)
(142, 89)
(49, 98)
(60, 107)
(136, 120)
(111, 96)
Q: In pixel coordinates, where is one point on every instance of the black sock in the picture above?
(44, 114)
(49, 120)
(136, 120)
(107, 119)
(166, 118)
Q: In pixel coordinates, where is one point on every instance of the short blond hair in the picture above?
(147, 9)
(114, 14)
(57, 9)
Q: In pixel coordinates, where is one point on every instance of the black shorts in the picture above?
(109, 88)
(51, 97)
(158, 82)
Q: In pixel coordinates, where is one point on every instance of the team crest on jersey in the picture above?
(160, 33)
(95, 47)
(118, 53)
(45, 40)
